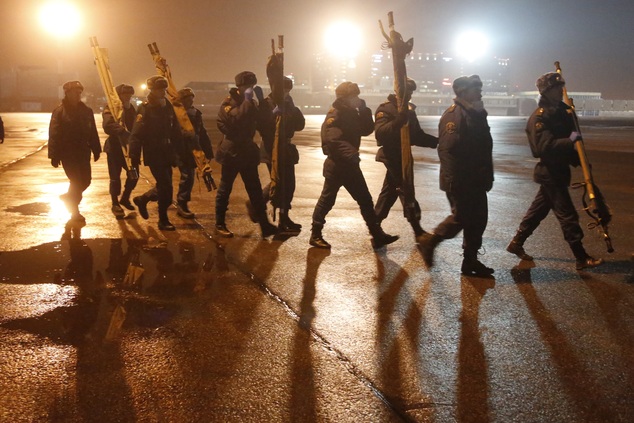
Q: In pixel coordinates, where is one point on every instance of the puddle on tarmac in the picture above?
(67, 291)
(31, 209)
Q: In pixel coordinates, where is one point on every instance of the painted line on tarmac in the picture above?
(37, 150)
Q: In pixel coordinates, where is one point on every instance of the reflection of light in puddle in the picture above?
(57, 208)
(37, 299)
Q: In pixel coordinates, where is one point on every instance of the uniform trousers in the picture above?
(350, 177)
(391, 191)
(79, 175)
(289, 187)
(469, 213)
(116, 163)
(249, 174)
(185, 184)
(163, 190)
(555, 198)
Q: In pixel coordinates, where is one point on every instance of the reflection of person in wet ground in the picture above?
(79, 269)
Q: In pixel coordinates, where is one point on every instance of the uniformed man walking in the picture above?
(72, 137)
(466, 174)
(118, 137)
(552, 137)
(187, 167)
(346, 122)
(157, 134)
(238, 154)
(387, 130)
(294, 121)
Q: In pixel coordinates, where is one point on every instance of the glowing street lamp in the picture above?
(471, 45)
(343, 40)
(60, 19)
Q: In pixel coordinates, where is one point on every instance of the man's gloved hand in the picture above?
(401, 118)
(248, 94)
(55, 162)
(289, 101)
(575, 136)
(259, 94)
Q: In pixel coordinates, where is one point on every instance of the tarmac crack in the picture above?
(325, 343)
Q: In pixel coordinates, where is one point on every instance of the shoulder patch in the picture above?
(450, 127)
(139, 118)
(330, 121)
(539, 126)
(380, 115)
(540, 111)
(227, 109)
(451, 108)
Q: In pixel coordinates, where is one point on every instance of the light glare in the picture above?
(60, 19)
(343, 39)
(471, 45)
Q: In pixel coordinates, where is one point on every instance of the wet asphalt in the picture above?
(252, 329)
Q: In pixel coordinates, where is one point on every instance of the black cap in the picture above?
(186, 92)
(463, 83)
(71, 85)
(246, 78)
(347, 89)
(156, 81)
(124, 89)
(288, 83)
(548, 81)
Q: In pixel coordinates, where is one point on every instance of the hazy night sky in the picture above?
(208, 40)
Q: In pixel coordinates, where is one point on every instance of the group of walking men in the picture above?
(464, 147)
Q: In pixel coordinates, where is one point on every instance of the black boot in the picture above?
(166, 225)
(418, 231)
(427, 244)
(125, 200)
(516, 246)
(471, 266)
(141, 203)
(379, 238)
(221, 227)
(316, 238)
(267, 227)
(117, 211)
(183, 211)
(287, 226)
(584, 260)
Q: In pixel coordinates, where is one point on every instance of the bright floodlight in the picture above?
(471, 45)
(343, 39)
(60, 18)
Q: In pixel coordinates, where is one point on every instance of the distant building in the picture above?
(434, 72)
(32, 88)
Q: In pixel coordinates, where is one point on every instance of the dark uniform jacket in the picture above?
(237, 120)
(293, 121)
(342, 130)
(465, 149)
(73, 133)
(156, 131)
(117, 135)
(388, 131)
(200, 141)
(548, 131)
